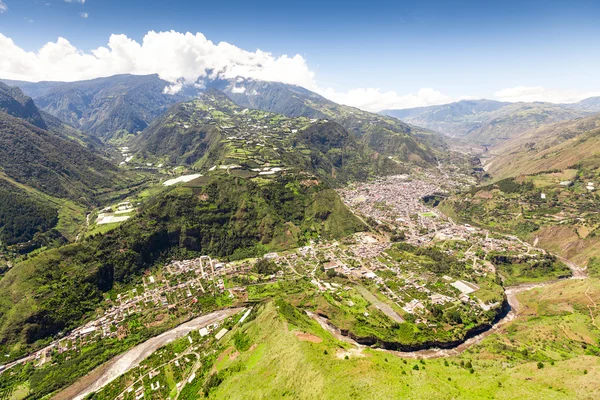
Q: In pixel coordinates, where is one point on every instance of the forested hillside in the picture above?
(223, 216)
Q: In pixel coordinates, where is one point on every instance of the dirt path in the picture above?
(592, 307)
(119, 365)
(381, 306)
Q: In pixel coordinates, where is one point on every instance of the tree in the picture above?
(266, 267)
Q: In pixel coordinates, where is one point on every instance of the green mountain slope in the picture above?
(387, 136)
(289, 355)
(44, 173)
(16, 104)
(23, 215)
(213, 132)
(221, 216)
(53, 165)
(486, 121)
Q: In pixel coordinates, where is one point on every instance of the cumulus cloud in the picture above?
(84, 15)
(174, 56)
(238, 89)
(3, 7)
(540, 93)
(187, 59)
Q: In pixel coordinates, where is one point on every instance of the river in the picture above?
(109, 371)
(513, 311)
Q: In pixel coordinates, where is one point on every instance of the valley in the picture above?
(231, 231)
(389, 295)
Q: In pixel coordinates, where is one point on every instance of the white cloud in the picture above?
(186, 59)
(174, 88)
(75, 1)
(84, 15)
(540, 93)
(3, 7)
(174, 56)
(238, 89)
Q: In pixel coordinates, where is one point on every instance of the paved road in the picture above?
(119, 365)
(381, 306)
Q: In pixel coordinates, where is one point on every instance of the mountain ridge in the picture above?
(489, 122)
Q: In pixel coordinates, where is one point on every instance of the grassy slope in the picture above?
(555, 326)
(565, 222)
(71, 215)
(556, 146)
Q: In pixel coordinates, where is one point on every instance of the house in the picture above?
(221, 333)
(331, 265)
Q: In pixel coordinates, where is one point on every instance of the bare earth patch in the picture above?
(307, 337)
(350, 353)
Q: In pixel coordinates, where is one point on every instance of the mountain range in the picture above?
(113, 108)
(213, 132)
(492, 122)
(104, 107)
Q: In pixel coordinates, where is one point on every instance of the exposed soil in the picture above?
(307, 337)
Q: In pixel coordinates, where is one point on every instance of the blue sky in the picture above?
(457, 48)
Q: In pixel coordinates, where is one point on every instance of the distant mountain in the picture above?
(387, 136)
(448, 112)
(591, 104)
(111, 108)
(105, 107)
(551, 147)
(486, 121)
(214, 132)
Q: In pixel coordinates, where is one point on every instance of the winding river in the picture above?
(508, 315)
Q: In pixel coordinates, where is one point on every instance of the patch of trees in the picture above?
(439, 263)
(266, 267)
(22, 216)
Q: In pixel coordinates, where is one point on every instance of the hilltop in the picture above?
(212, 132)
